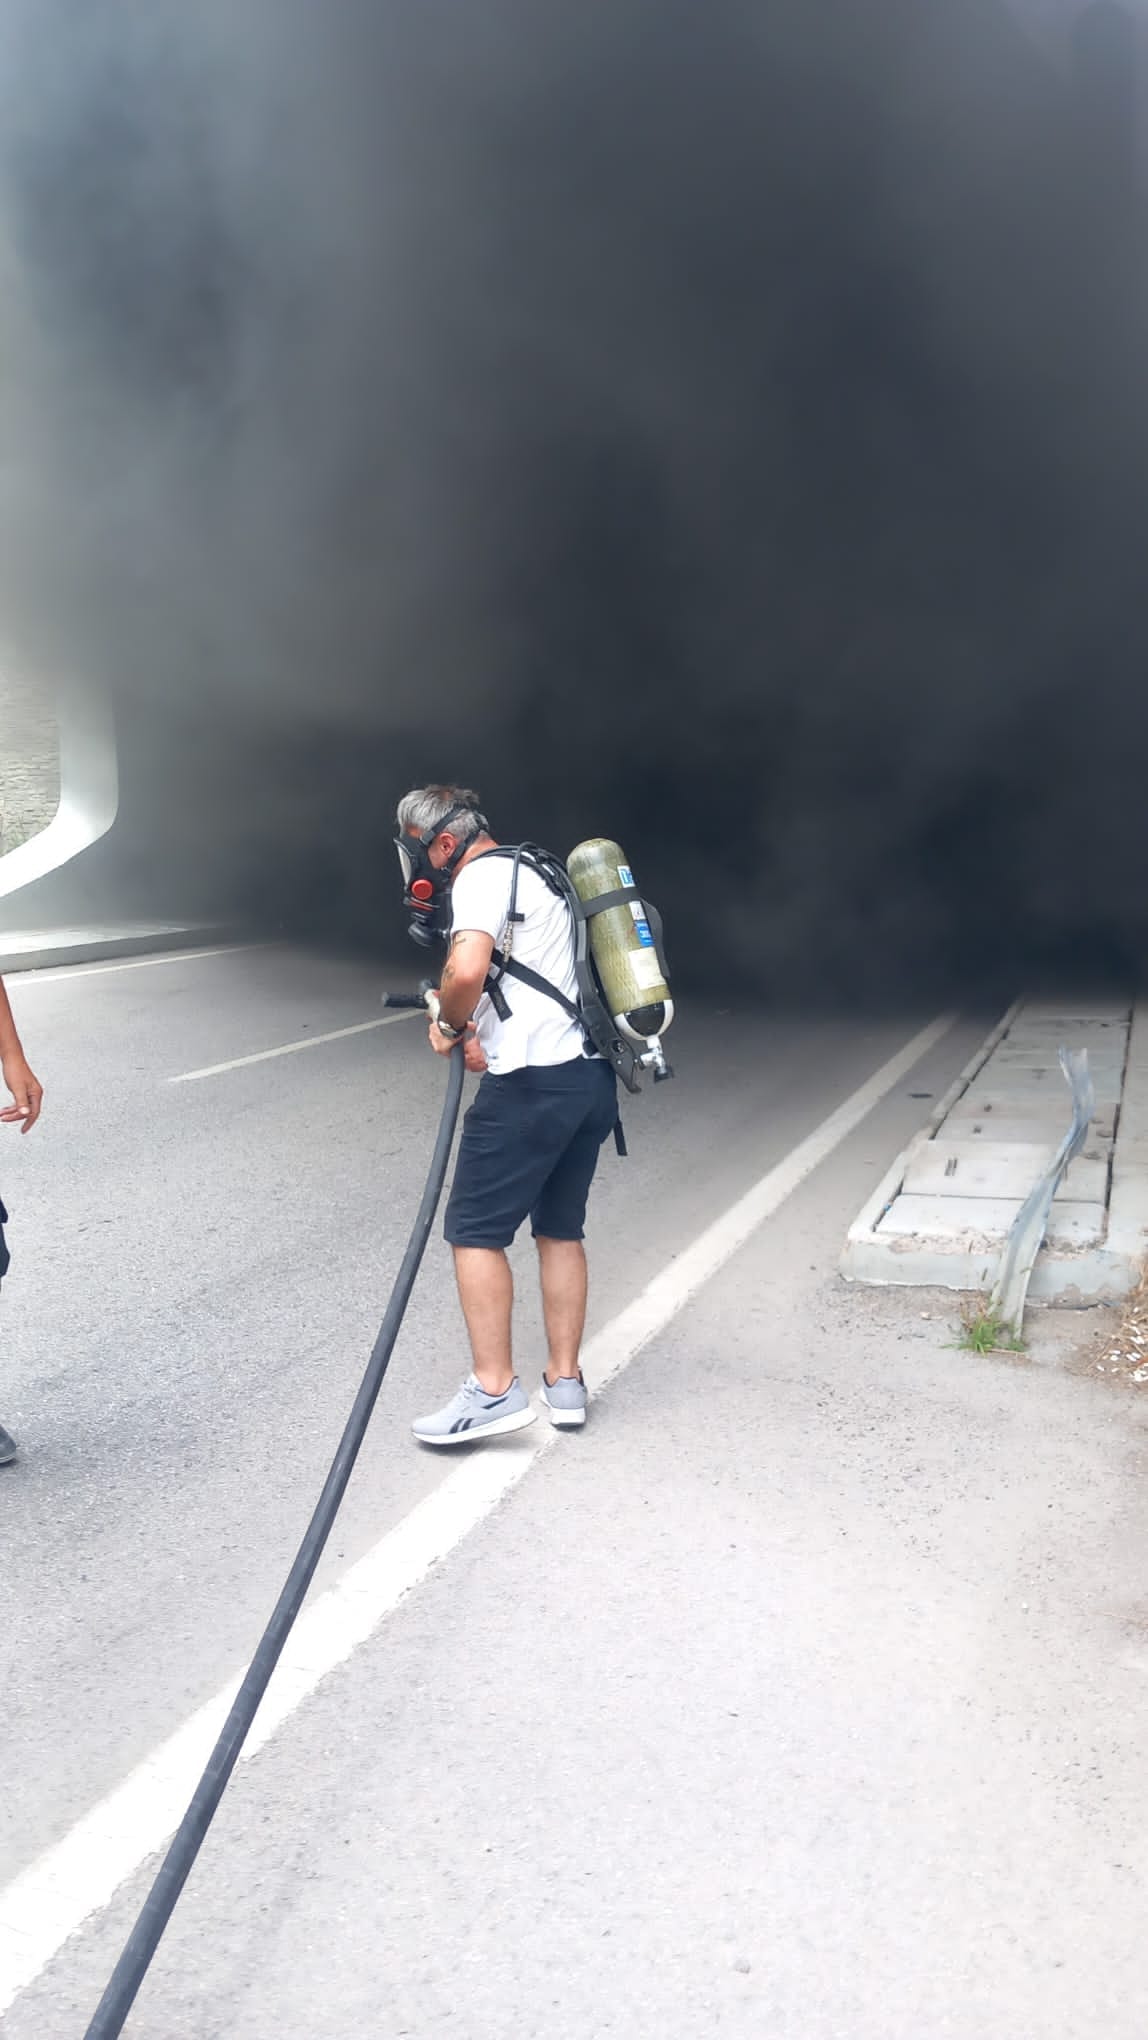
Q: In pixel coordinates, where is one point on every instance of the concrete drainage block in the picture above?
(943, 1215)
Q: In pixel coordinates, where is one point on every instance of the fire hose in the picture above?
(156, 1911)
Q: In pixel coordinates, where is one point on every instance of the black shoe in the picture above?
(7, 1447)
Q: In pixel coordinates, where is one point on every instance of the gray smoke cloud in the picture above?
(719, 426)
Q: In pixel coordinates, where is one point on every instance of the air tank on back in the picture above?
(623, 947)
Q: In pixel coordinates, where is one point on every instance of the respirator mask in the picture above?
(427, 887)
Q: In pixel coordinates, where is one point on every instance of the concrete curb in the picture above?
(861, 1260)
(45, 949)
(1095, 1250)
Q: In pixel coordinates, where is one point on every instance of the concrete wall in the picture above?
(29, 760)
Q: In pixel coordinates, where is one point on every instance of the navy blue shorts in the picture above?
(529, 1149)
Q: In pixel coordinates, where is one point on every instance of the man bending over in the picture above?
(530, 1141)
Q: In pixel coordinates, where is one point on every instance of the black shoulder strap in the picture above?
(547, 868)
(542, 862)
(510, 967)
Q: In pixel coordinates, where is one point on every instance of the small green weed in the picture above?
(982, 1331)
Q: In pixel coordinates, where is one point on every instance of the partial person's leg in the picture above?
(562, 1270)
(503, 1157)
(486, 1293)
(491, 1399)
(557, 1221)
(7, 1441)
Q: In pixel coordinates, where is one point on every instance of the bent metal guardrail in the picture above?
(1031, 1222)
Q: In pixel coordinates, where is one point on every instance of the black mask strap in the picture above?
(430, 836)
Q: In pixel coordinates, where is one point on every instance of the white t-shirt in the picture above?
(538, 1031)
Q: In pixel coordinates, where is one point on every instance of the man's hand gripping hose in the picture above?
(118, 1998)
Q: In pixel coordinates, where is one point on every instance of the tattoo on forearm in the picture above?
(457, 942)
(463, 972)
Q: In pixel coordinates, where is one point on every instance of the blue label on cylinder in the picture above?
(641, 925)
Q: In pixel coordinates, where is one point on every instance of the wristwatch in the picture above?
(451, 1033)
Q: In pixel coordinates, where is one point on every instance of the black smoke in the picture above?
(721, 426)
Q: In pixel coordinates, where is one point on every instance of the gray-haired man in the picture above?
(530, 1141)
(27, 1096)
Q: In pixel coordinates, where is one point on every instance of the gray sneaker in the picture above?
(7, 1447)
(566, 1401)
(473, 1414)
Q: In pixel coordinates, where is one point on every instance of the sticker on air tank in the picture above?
(641, 925)
(647, 971)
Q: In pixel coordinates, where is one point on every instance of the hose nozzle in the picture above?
(425, 999)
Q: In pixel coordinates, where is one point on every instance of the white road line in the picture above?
(243, 1062)
(78, 1877)
(69, 972)
(666, 1295)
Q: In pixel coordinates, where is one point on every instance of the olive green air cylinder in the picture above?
(621, 942)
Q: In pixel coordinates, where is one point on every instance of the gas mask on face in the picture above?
(426, 886)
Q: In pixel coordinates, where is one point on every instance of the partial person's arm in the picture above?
(27, 1091)
(464, 975)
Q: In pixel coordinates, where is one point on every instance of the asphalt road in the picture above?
(800, 1695)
